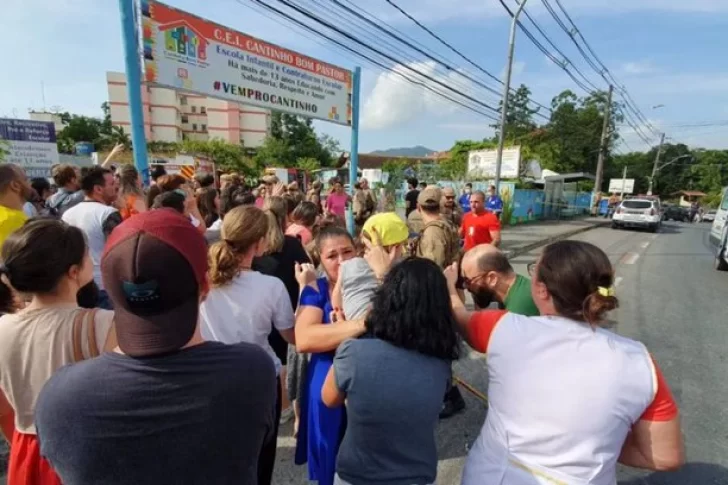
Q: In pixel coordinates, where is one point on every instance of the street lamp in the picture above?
(657, 168)
(506, 89)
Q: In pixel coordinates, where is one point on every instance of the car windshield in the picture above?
(637, 204)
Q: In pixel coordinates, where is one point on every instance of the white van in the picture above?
(719, 233)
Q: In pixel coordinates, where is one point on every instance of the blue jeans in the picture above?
(103, 301)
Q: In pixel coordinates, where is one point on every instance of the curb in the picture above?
(558, 237)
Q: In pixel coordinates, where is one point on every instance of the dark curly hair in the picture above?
(411, 310)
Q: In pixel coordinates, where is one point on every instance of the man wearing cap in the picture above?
(450, 209)
(166, 406)
(438, 240)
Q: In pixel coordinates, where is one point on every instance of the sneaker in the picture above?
(453, 404)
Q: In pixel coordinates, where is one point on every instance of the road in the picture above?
(672, 300)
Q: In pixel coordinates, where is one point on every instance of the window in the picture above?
(637, 204)
(194, 126)
(724, 204)
(194, 109)
(183, 100)
(203, 110)
(203, 127)
(185, 119)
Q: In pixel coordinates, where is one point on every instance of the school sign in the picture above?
(30, 145)
(185, 52)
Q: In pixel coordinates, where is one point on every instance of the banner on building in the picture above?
(481, 163)
(617, 186)
(30, 144)
(185, 52)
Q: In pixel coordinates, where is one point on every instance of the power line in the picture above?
(355, 19)
(379, 52)
(601, 68)
(456, 51)
(588, 89)
(358, 18)
(370, 59)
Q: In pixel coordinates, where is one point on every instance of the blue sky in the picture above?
(666, 52)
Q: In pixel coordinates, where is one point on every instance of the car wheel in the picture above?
(614, 225)
(720, 262)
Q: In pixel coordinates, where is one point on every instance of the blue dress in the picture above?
(321, 428)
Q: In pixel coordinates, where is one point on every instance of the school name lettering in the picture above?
(264, 97)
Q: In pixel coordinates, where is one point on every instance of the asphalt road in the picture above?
(673, 301)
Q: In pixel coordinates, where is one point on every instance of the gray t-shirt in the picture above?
(394, 398)
(358, 284)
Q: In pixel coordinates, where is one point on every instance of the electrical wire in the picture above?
(356, 19)
(369, 59)
(588, 87)
(596, 63)
(454, 50)
(381, 53)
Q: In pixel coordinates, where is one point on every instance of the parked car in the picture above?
(676, 213)
(638, 212)
(719, 233)
(709, 216)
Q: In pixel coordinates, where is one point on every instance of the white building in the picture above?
(54, 118)
(172, 116)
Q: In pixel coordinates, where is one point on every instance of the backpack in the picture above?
(452, 248)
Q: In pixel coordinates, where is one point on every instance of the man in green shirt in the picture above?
(489, 276)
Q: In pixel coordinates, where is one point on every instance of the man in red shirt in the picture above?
(479, 226)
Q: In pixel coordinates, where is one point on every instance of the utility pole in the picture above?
(657, 162)
(602, 150)
(624, 182)
(506, 89)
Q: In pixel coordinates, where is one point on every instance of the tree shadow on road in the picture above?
(691, 473)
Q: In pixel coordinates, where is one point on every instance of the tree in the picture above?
(308, 164)
(228, 156)
(519, 116)
(80, 128)
(293, 138)
(570, 141)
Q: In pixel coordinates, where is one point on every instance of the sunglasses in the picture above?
(450, 197)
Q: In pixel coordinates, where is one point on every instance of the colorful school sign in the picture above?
(30, 144)
(186, 52)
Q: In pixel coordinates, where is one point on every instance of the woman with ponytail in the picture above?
(245, 305)
(48, 261)
(568, 398)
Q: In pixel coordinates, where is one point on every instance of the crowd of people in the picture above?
(161, 335)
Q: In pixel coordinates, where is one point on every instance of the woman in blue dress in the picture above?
(321, 429)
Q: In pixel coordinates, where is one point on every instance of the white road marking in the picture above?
(630, 258)
(617, 281)
(645, 244)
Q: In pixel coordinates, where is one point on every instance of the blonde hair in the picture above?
(242, 228)
(276, 208)
(129, 180)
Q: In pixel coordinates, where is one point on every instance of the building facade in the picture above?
(47, 116)
(172, 116)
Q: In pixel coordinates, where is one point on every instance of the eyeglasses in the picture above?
(469, 282)
(531, 268)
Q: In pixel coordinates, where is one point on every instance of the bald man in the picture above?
(489, 276)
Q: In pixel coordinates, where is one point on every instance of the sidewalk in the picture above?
(523, 238)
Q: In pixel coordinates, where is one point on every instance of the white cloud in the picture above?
(518, 68)
(394, 100)
(638, 67)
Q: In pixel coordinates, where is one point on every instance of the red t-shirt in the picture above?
(476, 228)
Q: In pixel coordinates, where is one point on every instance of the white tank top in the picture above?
(563, 397)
